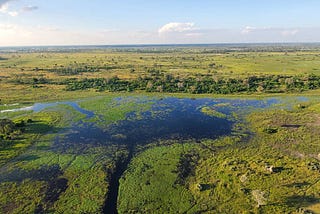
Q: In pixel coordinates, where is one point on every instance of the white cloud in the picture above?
(20, 35)
(176, 27)
(4, 8)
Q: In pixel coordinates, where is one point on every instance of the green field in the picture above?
(232, 174)
(173, 150)
(35, 75)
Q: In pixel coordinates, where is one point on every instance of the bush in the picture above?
(7, 126)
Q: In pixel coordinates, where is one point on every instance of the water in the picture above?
(37, 107)
(173, 118)
(168, 118)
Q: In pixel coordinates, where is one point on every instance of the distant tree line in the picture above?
(30, 81)
(200, 84)
(76, 69)
(73, 70)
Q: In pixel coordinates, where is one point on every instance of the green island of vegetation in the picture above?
(186, 129)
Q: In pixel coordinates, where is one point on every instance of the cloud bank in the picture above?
(170, 33)
(176, 27)
(4, 8)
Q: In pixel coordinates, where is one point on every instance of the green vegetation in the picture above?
(211, 70)
(20, 135)
(154, 174)
(274, 172)
(52, 162)
(212, 112)
(9, 130)
(109, 110)
(202, 84)
(49, 179)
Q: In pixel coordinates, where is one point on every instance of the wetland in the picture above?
(97, 131)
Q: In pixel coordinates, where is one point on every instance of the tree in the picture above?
(7, 126)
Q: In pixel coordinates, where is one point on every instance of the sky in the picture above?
(113, 22)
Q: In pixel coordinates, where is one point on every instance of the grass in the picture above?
(43, 122)
(72, 181)
(212, 112)
(109, 110)
(229, 174)
(232, 175)
(152, 175)
(74, 187)
(226, 175)
(21, 66)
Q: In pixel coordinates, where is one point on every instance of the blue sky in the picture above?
(71, 22)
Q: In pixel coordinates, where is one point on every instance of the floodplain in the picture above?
(227, 129)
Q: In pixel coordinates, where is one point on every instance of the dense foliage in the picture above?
(9, 129)
(158, 81)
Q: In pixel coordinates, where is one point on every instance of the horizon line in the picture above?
(163, 44)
